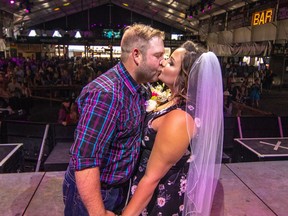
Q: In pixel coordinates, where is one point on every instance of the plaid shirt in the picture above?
(108, 134)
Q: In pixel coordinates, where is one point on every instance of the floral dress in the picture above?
(168, 197)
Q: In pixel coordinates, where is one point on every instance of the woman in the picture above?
(180, 178)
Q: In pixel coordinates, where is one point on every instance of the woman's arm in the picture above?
(171, 142)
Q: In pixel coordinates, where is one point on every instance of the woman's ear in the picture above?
(136, 56)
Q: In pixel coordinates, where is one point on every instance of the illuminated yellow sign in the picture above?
(262, 17)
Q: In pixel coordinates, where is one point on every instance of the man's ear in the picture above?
(136, 56)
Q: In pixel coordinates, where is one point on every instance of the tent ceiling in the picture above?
(169, 12)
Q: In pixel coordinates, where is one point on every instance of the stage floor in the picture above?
(254, 189)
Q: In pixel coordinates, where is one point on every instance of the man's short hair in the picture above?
(138, 35)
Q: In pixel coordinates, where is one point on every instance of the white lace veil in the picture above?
(205, 104)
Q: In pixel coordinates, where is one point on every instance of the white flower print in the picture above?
(161, 186)
(141, 169)
(181, 208)
(190, 107)
(183, 184)
(144, 212)
(133, 189)
(146, 138)
(197, 122)
(161, 201)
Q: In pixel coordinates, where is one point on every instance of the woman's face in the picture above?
(172, 67)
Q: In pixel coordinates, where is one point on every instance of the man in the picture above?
(108, 135)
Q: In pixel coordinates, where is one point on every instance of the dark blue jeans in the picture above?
(113, 197)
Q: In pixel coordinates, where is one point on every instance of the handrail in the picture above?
(42, 148)
(258, 111)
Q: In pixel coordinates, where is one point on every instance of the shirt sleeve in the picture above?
(95, 130)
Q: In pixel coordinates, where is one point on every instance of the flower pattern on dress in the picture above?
(146, 138)
(183, 184)
(190, 107)
(161, 187)
(161, 201)
(133, 189)
(144, 212)
(168, 198)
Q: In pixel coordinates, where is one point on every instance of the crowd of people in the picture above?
(246, 92)
(20, 76)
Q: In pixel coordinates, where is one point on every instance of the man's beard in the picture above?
(144, 74)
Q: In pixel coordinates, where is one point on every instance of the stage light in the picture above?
(12, 2)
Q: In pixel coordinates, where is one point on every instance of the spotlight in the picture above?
(12, 1)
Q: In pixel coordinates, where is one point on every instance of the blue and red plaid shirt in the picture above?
(108, 134)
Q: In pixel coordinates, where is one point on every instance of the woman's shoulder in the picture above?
(177, 117)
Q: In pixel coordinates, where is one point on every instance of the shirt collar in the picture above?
(131, 84)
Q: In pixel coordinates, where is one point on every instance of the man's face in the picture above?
(150, 68)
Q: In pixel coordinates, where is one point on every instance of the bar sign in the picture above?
(262, 17)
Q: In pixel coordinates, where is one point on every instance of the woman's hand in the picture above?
(109, 213)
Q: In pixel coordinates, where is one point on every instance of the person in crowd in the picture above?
(227, 103)
(5, 101)
(26, 100)
(14, 88)
(73, 114)
(269, 78)
(237, 99)
(182, 141)
(108, 133)
(64, 111)
(255, 92)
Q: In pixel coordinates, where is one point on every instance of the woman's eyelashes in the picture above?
(170, 62)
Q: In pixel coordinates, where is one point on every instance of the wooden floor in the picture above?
(251, 189)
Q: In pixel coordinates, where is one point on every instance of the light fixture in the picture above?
(78, 35)
(32, 33)
(56, 34)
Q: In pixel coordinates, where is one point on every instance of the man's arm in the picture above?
(93, 136)
(89, 187)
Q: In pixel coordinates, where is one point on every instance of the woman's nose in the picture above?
(163, 62)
